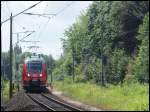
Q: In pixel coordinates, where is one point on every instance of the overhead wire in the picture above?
(54, 15)
(64, 8)
(21, 12)
(43, 12)
(14, 21)
(24, 37)
(20, 25)
(60, 11)
(40, 25)
(9, 11)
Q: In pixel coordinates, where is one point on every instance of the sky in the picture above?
(47, 31)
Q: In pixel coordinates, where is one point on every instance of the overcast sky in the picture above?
(47, 31)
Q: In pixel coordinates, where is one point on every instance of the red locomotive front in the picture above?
(34, 74)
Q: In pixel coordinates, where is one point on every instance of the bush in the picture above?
(117, 67)
(129, 97)
(141, 63)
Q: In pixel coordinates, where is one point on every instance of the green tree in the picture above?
(141, 68)
(100, 44)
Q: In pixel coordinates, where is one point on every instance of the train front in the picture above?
(34, 74)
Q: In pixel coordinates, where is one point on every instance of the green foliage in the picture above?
(141, 63)
(133, 97)
(17, 49)
(129, 15)
(5, 65)
(79, 74)
(50, 63)
(63, 67)
(5, 90)
(117, 66)
(104, 37)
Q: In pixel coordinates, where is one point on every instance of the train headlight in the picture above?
(28, 75)
(40, 75)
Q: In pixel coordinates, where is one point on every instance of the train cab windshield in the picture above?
(34, 66)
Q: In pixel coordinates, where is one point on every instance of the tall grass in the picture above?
(5, 90)
(126, 97)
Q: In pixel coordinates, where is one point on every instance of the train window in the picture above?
(34, 67)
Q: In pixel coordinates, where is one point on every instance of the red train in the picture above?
(34, 73)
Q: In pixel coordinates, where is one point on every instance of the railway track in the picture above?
(70, 107)
(48, 102)
(43, 105)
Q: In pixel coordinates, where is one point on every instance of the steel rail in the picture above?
(40, 103)
(70, 107)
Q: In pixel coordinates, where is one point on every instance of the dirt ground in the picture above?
(20, 102)
(72, 102)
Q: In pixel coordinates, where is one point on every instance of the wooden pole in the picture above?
(73, 64)
(11, 59)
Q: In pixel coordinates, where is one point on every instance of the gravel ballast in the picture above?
(21, 102)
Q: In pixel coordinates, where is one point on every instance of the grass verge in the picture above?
(127, 97)
(5, 90)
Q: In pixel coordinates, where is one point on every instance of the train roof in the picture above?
(34, 58)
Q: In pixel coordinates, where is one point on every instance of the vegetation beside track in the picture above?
(108, 45)
(5, 90)
(126, 97)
